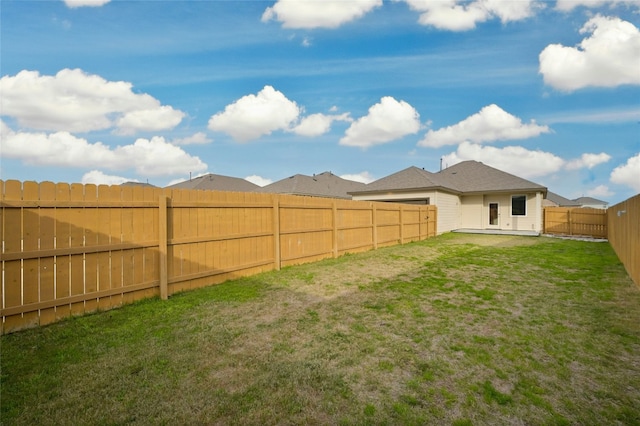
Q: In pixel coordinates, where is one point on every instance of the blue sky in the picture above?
(99, 91)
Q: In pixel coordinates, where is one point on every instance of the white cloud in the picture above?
(98, 178)
(318, 124)
(511, 159)
(74, 101)
(588, 161)
(456, 15)
(81, 3)
(258, 180)
(568, 5)
(199, 138)
(628, 174)
(600, 191)
(149, 120)
(253, 116)
(318, 14)
(492, 123)
(363, 177)
(154, 157)
(386, 121)
(610, 57)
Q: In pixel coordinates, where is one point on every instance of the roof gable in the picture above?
(212, 182)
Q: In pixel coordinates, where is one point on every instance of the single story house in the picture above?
(469, 195)
(592, 203)
(554, 200)
(325, 184)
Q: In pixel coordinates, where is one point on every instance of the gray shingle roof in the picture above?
(560, 200)
(464, 177)
(212, 182)
(589, 201)
(142, 184)
(321, 185)
(409, 178)
(473, 176)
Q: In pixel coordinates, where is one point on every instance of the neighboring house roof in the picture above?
(130, 183)
(560, 201)
(464, 177)
(588, 201)
(407, 179)
(212, 182)
(321, 185)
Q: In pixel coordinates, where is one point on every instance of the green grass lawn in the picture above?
(459, 329)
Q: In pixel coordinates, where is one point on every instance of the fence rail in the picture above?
(575, 221)
(624, 234)
(72, 249)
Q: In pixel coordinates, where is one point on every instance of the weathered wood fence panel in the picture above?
(72, 249)
(575, 221)
(624, 234)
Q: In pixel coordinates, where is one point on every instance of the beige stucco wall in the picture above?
(448, 211)
(472, 211)
(532, 221)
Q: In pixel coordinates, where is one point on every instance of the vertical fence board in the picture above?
(115, 237)
(137, 219)
(63, 262)
(103, 228)
(30, 242)
(150, 233)
(47, 242)
(127, 237)
(206, 223)
(90, 240)
(162, 245)
(76, 216)
(13, 243)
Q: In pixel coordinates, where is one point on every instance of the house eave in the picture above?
(507, 191)
(405, 191)
(448, 190)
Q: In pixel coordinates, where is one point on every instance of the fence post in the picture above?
(162, 244)
(276, 232)
(334, 232)
(374, 225)
(401, 224)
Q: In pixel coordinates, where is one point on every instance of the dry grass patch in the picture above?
(460, 329)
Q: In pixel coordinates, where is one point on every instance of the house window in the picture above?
(518, 205)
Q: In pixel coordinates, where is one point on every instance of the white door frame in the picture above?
(497, 222)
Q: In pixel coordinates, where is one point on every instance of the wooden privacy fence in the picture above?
(72, 249)
(575, 221)
(624, 234)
